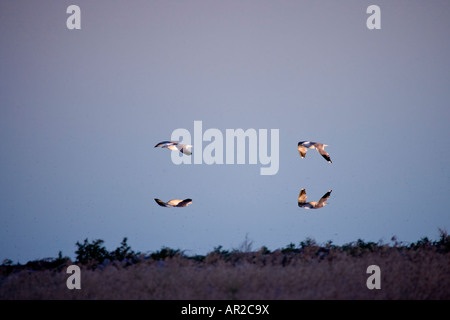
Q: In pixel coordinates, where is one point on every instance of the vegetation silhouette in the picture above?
(308, 270)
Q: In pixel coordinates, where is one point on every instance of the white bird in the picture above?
(174, 203)
(313, 204)
(171, 145)
(303, 145)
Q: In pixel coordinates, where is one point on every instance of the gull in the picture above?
(303, 145)
(171, 145)
(174, 203)
(313, 204)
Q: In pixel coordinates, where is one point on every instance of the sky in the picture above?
(81, 111)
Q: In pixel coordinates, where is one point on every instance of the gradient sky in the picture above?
(81, 111)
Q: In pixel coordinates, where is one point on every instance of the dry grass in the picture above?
(309, 272)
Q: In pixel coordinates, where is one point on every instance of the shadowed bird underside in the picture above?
(303, 146)
(174, 203)
(313, 204)
(172, 145)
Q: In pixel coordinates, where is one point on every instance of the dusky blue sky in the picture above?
(81, 111)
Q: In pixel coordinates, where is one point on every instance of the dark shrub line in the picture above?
(94, 254)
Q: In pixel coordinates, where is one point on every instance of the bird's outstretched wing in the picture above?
(184, 203)
(302, 150)
(161, 203)
(322, 201)
(165, 144)
(302, 197)
(320, 148)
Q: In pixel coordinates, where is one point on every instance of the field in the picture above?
(415, 271)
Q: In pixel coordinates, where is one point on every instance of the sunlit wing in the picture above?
(302, 197)
(325, 197)
(320, 148)
(302, 150)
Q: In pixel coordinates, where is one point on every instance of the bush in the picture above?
(164, 253)
(96, 253)
(123, 252)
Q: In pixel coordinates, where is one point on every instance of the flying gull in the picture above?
(171, 145)
(313, 204)
(174, 203)
(303, 145)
